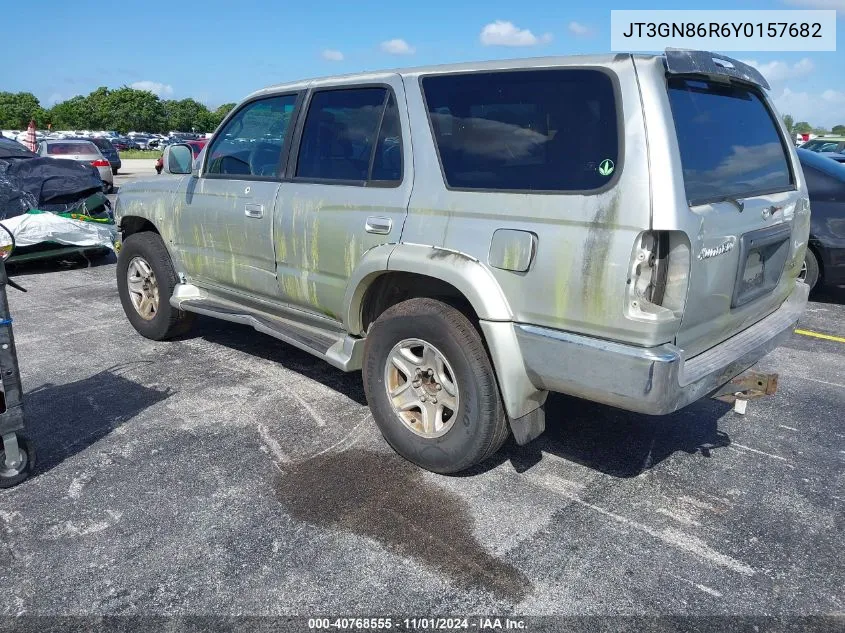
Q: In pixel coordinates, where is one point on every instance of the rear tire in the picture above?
(810, 271)
(145, 260)
(476, 429)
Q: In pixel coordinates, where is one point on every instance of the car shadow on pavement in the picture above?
(829, 294)
(71, 261)
(62, 420)
(616, 442)
(247, 340)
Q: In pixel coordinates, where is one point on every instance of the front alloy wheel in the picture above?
(143, 288)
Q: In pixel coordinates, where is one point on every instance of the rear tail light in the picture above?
(101, 162)
(659, 275)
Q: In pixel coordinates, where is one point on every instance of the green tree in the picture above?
(839, 130)
(802, 127)
(98, 108)
(820, 130)
(17, 108)
(128, 109)
(221, 112)
(789, 122)
(72, 114)
(187, 115)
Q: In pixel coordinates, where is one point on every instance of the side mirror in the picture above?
(177, 159)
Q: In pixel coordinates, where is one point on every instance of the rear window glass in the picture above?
(729, 142)
(71, 148)
(537, 130)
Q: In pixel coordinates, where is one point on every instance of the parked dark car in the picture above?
(825, 259)
(121, 144)
(839, 157)
(108, 150)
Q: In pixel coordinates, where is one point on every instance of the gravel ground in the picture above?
(228, 473)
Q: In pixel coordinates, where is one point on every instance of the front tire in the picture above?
(431, 386)
(145, 283)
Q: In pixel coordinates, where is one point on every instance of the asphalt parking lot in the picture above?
(229, 473)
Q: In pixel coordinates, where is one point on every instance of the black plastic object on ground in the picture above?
(48, 184)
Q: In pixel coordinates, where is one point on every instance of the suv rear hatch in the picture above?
(740, 179)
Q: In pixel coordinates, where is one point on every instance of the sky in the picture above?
(218, 51)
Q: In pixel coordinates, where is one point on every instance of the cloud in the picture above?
(332, 55)
(838, 5)
(579, 30)
(824, 109)
(503, 33)
(397, 47)
(162, 90)
(777, 71)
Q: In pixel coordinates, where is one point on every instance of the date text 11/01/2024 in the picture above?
(417, 624)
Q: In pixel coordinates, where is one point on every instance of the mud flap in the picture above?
(528, 427)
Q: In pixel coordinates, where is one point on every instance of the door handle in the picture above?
(381, 226)
(254, 210)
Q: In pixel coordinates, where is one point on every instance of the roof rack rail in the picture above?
(681, 61)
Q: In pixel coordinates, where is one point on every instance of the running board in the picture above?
(336, 347)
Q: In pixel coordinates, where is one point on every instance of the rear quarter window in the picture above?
(728, 139)
(550, 130)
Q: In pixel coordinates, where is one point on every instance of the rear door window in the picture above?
(351, 136)
(525, 130)
(729, 141)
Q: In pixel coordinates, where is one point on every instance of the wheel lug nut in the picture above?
(434, 401)
(422, 398)
(438, 386)
(430, 372)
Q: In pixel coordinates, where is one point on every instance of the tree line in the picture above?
(122, 110)
(126, 109)
(803, 127)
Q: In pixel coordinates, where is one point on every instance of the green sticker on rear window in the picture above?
(606, 167)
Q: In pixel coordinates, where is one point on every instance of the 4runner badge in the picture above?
(606, 167)
(721, 249)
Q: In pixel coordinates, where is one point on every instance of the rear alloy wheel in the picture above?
(431, 386)
(810, 270)
(422, 389)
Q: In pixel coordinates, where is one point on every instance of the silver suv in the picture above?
(623, 228)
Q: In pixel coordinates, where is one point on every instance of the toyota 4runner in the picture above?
(622, 228)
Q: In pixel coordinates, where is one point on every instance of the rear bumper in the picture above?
(656, 380)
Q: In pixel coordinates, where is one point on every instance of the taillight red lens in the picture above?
(100, 163)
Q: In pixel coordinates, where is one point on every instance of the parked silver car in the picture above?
(623, 228)
(82, 151)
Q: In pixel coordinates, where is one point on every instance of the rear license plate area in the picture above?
(762, 257)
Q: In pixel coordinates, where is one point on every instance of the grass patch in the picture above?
(140, 153)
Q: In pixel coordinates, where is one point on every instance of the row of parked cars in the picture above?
(103, 152)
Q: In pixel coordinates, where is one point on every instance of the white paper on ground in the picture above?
(34, 228)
